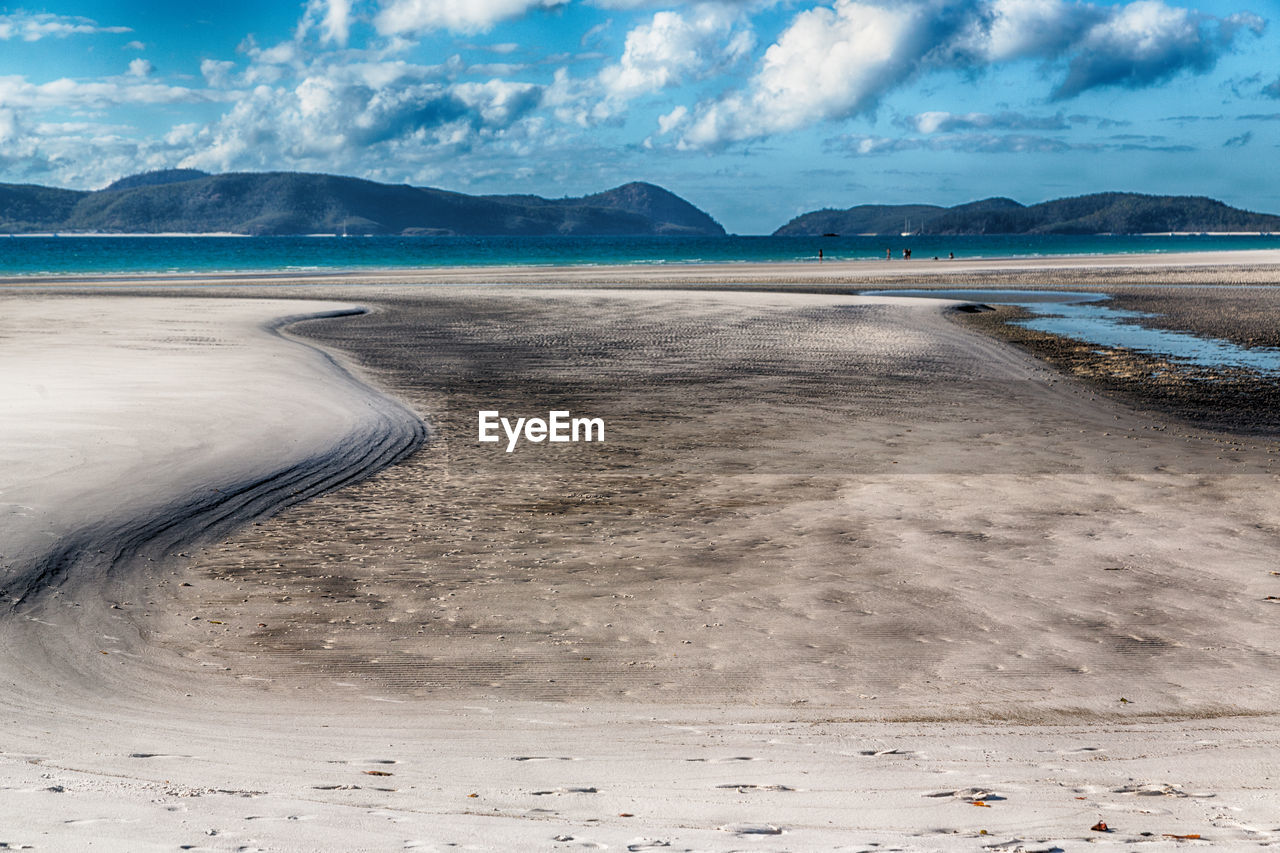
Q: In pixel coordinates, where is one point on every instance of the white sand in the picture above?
(983, 558)
(146, 423)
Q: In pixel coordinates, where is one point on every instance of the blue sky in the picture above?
(754, 110)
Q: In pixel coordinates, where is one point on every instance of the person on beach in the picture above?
(888, 254)
(819, 256)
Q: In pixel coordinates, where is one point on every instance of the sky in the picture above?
(754, 110)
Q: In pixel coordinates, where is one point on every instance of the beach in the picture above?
(847, 572)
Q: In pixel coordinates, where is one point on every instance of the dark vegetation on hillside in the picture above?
(185, 200)
(1100, 213)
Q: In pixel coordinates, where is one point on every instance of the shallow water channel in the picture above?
(1085, 317)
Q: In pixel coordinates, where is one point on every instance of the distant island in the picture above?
(1100, 213)
(280, 203)
(189, 201)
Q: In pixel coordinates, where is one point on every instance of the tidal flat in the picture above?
(847, 570)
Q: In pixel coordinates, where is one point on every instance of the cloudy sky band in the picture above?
(738, 105)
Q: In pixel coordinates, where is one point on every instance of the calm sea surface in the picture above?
(69, 255)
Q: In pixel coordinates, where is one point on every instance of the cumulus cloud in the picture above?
(831, 63)
(344, 116)
(668, 49)
(217, 73)
(29, 26)
(331, 17)
(140, 67)
(672, 47)
(82, 153)
(1013, 29)
(1147, 42)
(411, 17)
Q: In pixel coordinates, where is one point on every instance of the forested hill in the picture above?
(185, 200)
(1101, 213)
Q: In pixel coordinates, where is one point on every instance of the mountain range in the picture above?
(1100, 213)
(190, 201)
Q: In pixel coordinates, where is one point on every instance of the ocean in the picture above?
(69, 255)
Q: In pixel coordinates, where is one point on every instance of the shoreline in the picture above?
(746, 272)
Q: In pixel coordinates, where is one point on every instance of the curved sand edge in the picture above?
(134, 429)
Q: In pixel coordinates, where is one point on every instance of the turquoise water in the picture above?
(1086, 317)
(23, 256)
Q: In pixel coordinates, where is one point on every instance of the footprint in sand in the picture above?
(968, 795)
(876, 753)
(750, 829)
(580, 842)
(566, 791)
(542, 758)
(1158, 789)
(157, 755)
(746, 787)
(1019, 845)
(638, 844)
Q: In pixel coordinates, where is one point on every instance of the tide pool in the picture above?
(1086, 317)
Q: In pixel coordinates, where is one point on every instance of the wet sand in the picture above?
(842, 568)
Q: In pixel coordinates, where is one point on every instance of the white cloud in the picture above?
(835, 62)
(499, 102)
(140, 67)
(1146, 42)
(347, 117)
(674, 46)
(333, 17)
(669, 49)
(937, 121)
(829, 63)
(401, 17)
(17, 91)
(10, 131)
(33, 27)
(672, 120)
(1013, 29)
(217, 73)
(134, 45)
